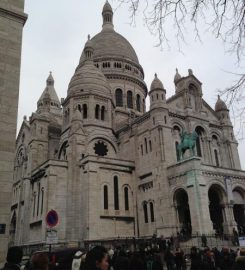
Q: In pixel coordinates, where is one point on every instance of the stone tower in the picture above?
(12, 19)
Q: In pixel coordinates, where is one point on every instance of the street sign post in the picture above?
(52, 220)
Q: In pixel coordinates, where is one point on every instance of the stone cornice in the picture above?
(13, 15)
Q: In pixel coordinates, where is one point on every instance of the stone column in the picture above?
(198, 200)
(228, 215)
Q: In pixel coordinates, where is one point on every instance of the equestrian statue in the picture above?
(188, 141)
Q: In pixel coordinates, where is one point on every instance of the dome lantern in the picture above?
(107, 15)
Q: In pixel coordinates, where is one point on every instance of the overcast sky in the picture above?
(55, 34)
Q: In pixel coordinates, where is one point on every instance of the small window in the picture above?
(142, 152)
(216, 157)
(102, 113)
(106, 197)
(145, 212)
(177, 151)
(126, 198)
(130, 99)
(150, 146)
(85, 111)
(97, 109)
(152, 212)
(146, 148)
(157, 96)
(100, 149)
(138, 103)
(116, 195)
(165, 119)
(119, 98)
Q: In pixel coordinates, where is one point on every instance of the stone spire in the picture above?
(49, 101)
(107, 15)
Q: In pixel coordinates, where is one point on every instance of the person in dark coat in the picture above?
(137, 262)
(195, 259)
(169, 259)
(179, 259)
(240, 261)
(226, 260)
(14, 257)
(121, 261)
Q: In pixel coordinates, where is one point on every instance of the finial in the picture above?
(177, 70)
(155, 75)
(88, 36)
(24, 117)
(218, 96)
(190, 71)
(50, 72)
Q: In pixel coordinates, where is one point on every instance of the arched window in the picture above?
(79, 107)
(200, 133)
(145, 212)
(130, 99)
(116, 197)
(216, 157)
(106, 197)
(138, 103)
(141, 147)
(119, 98)
(152, 212)
(177, 151)
(62, 154)
(97, 111)
(85, 111)
(126, 198)
(103, 113)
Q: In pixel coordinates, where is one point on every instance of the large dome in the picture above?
(108, 43)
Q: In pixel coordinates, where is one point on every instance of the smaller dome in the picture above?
(177, 76)
(220, 105)
(156, 84)
(107, 7)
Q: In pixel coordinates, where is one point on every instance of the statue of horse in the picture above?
(188, 141)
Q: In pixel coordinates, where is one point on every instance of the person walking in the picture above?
(14, 257)
(240, 260)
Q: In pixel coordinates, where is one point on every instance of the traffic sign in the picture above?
(52, 218)
(51, 237)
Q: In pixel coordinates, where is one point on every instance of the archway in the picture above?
(238, 210)
(215, 195)
(183, 211)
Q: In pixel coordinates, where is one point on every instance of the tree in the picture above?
(226, 20)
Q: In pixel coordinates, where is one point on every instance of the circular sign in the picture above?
(52, 218)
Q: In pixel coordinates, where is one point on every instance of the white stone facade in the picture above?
(110, 169)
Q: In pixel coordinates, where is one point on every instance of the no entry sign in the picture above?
(52, 218)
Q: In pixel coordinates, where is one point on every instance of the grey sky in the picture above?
(55, 34)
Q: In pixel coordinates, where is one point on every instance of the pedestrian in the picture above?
(204, 240)
(137, 262)
(240, 260)
(179, 259)
(169, 259)
(39, 261)
(195, 259)
(96, 259)
(14, 257)
(77, 259)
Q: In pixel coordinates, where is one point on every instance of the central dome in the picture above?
(108, 43)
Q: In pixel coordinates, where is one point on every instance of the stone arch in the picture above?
(238, 208)
(103, 138)
(200, 145)
(217, 198)
(63, 151)
(181, 203)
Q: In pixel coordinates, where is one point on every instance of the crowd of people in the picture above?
(99, 258)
